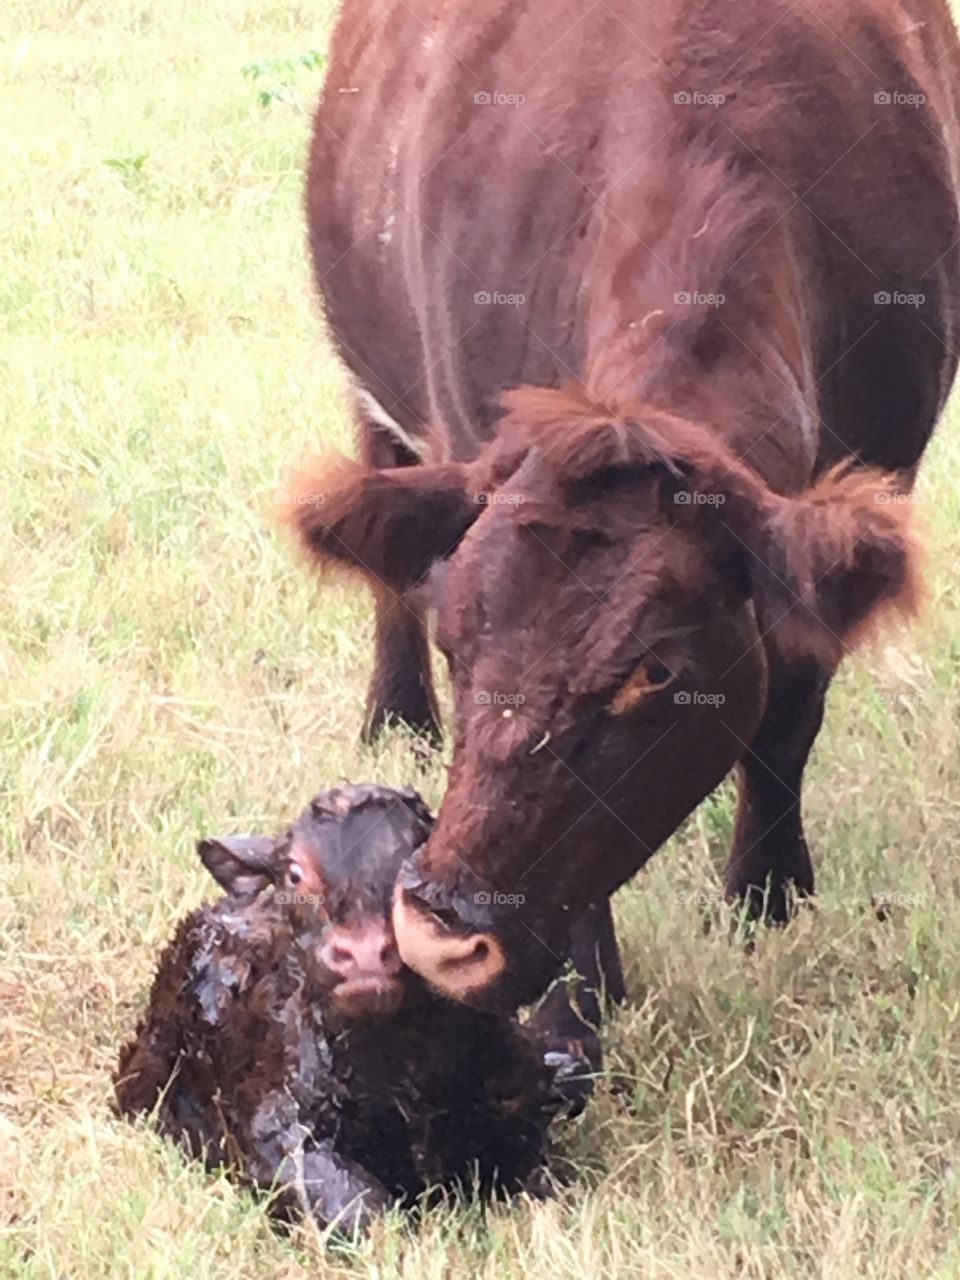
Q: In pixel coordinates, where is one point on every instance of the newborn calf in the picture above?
(285, 1039)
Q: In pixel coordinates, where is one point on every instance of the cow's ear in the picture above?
(240, 864)
(828, 564)
(391, 524)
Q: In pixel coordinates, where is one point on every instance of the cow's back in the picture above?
(425, 200)
(852, 115)
(469, 161)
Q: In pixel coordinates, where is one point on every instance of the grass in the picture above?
(166, 668)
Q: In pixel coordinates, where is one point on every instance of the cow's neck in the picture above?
(701, 308)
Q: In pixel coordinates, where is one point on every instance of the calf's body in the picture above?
(344, 1097)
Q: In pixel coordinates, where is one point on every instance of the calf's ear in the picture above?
(240, 864)
(391, 524)
(827, 565)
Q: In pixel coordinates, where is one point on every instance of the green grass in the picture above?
(167, 668)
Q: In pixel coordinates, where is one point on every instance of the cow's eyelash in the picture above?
(676, 664)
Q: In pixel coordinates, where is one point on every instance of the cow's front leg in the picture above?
(567, 1021)
(401, 688)
(770, 852)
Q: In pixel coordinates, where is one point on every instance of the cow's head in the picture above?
(609, 590)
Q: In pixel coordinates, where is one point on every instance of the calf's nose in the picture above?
(361, 952)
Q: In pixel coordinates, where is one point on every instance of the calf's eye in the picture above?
(294, 874)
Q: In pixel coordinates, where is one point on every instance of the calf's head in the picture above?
(607, 591)
(333, 873)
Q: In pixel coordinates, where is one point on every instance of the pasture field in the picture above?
(166, 667)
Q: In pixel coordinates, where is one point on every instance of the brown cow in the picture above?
(709, 250)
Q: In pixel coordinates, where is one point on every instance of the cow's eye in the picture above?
(649, 678)
(658, 675)
(294, 873)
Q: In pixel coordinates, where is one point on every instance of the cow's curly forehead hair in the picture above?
(578, 435)
(577, 439)
(845, 529)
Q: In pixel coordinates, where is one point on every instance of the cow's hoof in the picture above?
(573, 1079)
(538, 1185)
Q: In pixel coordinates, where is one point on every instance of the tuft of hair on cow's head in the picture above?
(821, 566)
(392, 525)
(332, 875)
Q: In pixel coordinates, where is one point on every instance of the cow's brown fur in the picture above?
(558, 543)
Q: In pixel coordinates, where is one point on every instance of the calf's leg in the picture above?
(319, 1182)
(286, 1154)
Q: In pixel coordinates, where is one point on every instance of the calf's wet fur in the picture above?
(285, 1040)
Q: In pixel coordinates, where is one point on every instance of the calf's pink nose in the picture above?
(369, 951)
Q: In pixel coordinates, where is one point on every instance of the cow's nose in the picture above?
(368, 951)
